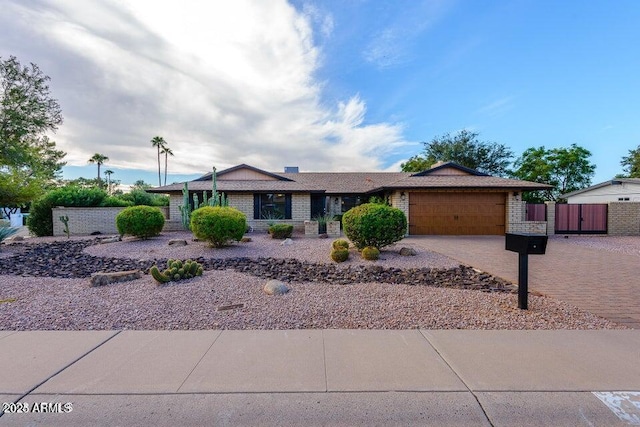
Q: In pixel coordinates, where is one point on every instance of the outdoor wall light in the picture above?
(335, 201)
(403, 196)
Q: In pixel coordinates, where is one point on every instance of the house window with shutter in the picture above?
(272, 206)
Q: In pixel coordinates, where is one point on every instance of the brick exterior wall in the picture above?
(517, 215)
(551, 218)
(85, 220)
(396, 201)
(624, 219)
(88, 220)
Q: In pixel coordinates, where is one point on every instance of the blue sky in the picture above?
(329, 85)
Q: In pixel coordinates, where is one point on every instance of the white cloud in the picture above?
(223, 82)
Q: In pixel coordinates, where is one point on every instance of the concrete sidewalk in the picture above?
(322, 377)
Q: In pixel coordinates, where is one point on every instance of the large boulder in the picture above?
(275, 287)
(102, 279)
(407, 252)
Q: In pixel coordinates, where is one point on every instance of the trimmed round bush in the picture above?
(218, 225)
(340, 255)
(370, 253)
(281, 231)
(340, 244)
(140, 221)
(374, 225)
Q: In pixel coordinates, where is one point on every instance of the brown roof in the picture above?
(353, 183)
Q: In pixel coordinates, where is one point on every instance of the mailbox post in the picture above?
(525, 244)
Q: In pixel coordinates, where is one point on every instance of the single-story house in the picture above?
(446, 199)
(615, 190)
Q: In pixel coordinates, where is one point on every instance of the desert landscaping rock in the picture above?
(287, 242)
(110, 239)
(275, 287)
(103, 279)
(407, 252)
(47, 280)
(177, 242)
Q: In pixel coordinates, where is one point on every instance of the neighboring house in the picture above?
(616, 190)
(446, 199)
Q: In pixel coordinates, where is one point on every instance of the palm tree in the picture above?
(167, 152)
(159, 143)
(108, 174)
(98, 159)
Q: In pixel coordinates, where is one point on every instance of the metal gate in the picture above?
(536, 212)
(581, 219)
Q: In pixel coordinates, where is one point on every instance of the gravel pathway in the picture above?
(28, 302)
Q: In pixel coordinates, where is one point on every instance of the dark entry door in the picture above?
(318, 205)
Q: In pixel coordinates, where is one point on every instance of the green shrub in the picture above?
(113, 201)
(340, 255)
(140, 221)
(218, 225)
(281, 231)
(340, 244)
(140, 197)
(374, 225)
(370, 253)
(40, 221)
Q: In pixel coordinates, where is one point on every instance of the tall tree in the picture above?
(631, 163)
(108, 174)
(566, 169)
(465, 149)
(167, 152)
(29, 161)
(160, 144)
(98, 159)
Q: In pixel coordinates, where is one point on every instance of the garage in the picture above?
(457, 213)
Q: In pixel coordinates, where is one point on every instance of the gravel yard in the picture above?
(629, 245)
(28, 302)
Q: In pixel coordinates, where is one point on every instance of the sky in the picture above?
(334, 85)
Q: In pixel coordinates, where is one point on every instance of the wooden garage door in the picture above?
(457, 213)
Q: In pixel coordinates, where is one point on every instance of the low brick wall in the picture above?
(84, 221)
(537, 227)
(623, 219)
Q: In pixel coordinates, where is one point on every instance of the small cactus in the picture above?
(340, 244)
(177, 270)
(340, 255)
(370, 253)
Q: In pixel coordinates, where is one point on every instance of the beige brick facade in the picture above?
(85, 220)
(398, 201)
(624, 219)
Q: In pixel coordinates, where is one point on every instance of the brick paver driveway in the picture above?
(602, 282)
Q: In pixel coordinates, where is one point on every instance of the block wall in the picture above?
(624, 219)
(85, 220)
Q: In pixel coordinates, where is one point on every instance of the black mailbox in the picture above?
(526, 243)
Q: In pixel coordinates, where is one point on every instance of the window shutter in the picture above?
(287, 206)
(256, 206)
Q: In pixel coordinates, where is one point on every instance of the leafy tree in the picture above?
(141, 185)
(160, 144)
(566, 169)
(631, 163)
(98, 159)
(465, 149)
(29, 161)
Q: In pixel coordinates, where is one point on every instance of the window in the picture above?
(272, 206)
(623, 199)
(349, 202)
